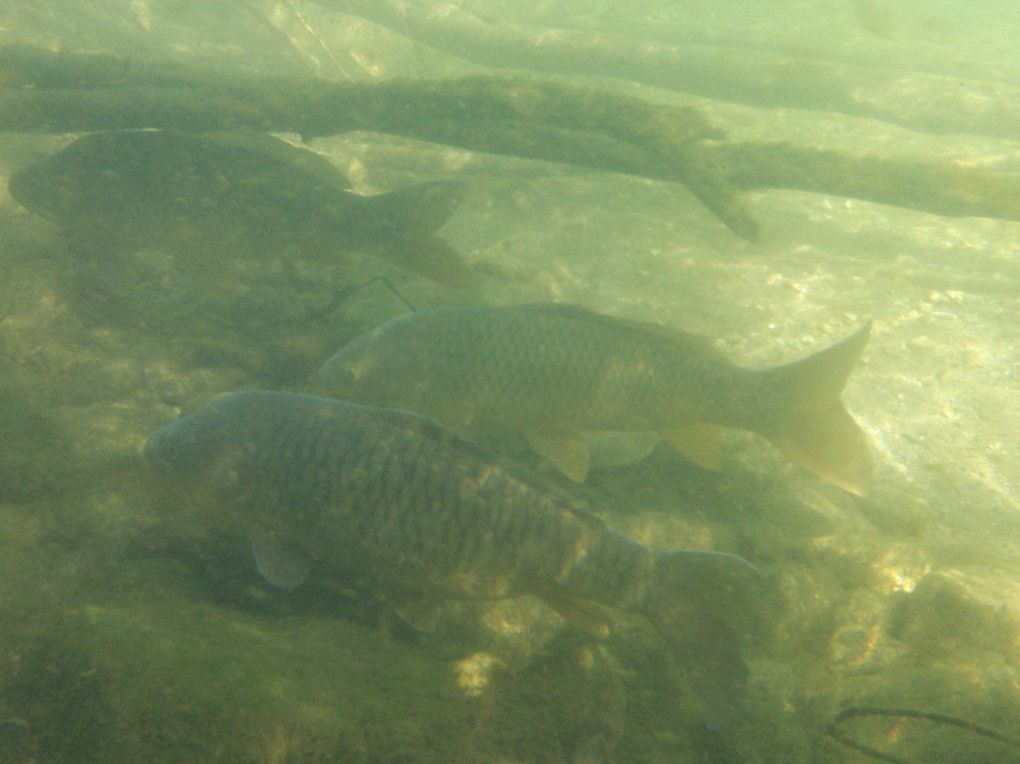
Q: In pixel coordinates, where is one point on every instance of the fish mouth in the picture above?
(21, 187)
(161, 451)
(339, 373)
(152, 454)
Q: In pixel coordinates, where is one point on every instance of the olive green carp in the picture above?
(425, 514)
(243, 193)
(553, 372)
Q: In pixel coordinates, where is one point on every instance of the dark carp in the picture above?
(425, 514)
(247, 193)
(554, 372)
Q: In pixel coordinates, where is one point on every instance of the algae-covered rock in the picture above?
(129, 635)
(126, 668)
(131, 660)
(953, 612)
(33, 460)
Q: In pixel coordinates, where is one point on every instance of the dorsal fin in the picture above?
(281, 564)
(578, 313)
(811, 426)
(311, 163)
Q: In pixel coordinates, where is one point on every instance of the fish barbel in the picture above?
(426, 514)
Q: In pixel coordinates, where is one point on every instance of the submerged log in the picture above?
(529, 118)
(939, 188)
(534, 119)
(929, 102)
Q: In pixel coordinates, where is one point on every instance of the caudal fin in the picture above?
(698, 602)
(418, 210)
(809, 423)
(406, 221)
(433, 258)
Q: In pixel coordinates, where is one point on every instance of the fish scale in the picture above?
(424, 513)
(235, 193)
(557, 373)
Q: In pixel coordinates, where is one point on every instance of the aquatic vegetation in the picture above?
(862, 154)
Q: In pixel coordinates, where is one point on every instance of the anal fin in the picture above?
(281, 564)
(568, 451)
(420, 612)
(701, 443)
(581, 613)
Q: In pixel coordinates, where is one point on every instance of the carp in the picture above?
(426, 515)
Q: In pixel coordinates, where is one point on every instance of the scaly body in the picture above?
(423, 512)
(247, 194)
(552, 372)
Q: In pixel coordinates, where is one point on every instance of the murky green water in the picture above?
(132, 629)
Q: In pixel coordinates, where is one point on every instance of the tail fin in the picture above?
(418, 210)
(697, 601)
(407, 220)
(810, 424)
(433, 258)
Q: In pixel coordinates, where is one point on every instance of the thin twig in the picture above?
(931, 716)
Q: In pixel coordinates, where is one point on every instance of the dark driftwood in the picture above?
(834, 731)
(521, 117)
(942, 189)
(329, 107)
(539, 120)
(929, 102)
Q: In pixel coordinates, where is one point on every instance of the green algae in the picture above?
(120, 660)
(125, 646)
(127, 655)
(122, 640)
(33, 444)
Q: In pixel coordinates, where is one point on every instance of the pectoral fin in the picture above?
(701, 443)
(281, 564)
(422, 613)
(581, 613)
(568, 451)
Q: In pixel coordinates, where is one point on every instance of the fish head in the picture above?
(346, 372)
(180, 448)
(224, 462)
(44, 189)
(384, 366)
(201, 451)
(82, 179)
